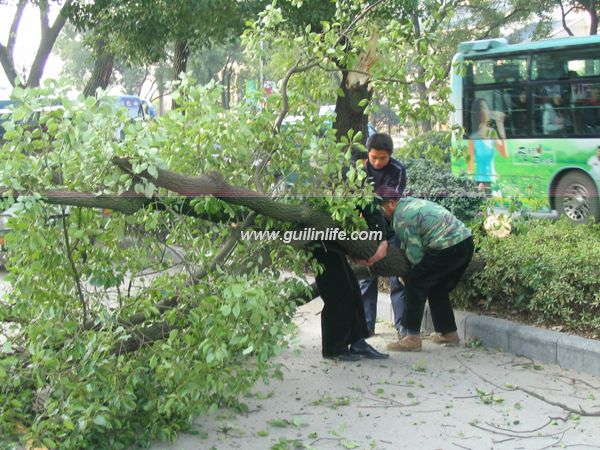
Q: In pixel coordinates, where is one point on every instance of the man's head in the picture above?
(389, 198)
(380, 147)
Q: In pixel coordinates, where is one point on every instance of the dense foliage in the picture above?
(434, 181)
(546, 271)
(77, 366)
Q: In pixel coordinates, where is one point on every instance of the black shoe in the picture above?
(361, 348)
(371, 333)
(343, 356)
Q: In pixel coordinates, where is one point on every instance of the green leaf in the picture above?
(348, 444)
(280, 423)
(69, 425)
(100, 421)
(225, 310)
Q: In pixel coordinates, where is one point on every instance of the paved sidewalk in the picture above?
(441, 398)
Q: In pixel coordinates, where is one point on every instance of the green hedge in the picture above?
(430, 180)
(549, 271)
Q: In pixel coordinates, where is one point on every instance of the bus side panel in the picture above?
(531, 166)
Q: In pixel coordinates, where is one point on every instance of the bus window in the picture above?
(548, 66)
(584, 63)
(552, 111)
(506, 100)
(566, 64)
(494, 71)
(585, 98)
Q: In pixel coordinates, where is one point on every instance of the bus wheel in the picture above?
(577, 198)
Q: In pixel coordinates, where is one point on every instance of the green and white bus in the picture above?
(531, 115)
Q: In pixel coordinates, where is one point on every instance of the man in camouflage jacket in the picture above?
(439, 247)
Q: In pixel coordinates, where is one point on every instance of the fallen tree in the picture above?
(101, 325)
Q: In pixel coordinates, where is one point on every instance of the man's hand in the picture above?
(380, 253)
(378, 256)
(361, 262)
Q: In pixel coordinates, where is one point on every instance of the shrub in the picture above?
(433, 145)
(546, 270)
(432, 181)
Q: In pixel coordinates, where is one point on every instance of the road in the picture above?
(441, 398)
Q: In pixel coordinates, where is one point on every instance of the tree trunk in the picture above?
(102, 72)
(350, 108)
(593, 17)
(180, 60)
(8, 65)
(302, 216)
(226, 83)
(349, 113)
(423, 97)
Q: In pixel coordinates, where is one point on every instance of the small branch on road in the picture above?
(580, 411)
(550, 420)
(461, 446)
(573, 381)
(520, 436)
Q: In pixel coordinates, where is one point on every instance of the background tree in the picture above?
(590, 7)
(142, 32)
(49, 34)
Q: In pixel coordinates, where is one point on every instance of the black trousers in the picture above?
(433, 278)
(343, 317)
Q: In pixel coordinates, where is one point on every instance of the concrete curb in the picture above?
(571, 352)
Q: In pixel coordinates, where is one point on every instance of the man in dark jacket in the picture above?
(383, 170)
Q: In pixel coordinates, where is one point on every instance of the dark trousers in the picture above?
(433, 278)
(369, 287)
(343, 316)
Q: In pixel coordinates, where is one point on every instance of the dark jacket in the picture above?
(392, 175)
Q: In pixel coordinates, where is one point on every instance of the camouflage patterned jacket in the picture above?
(421, 225)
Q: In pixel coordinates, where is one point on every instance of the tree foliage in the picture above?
(85, 373)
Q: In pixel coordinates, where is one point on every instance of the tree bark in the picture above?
(102, 72)
(226, 82)
(180, 60)
(395, 263)
(349, 114)
(593, 17)
(350, 107)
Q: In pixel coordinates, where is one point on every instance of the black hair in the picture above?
(380, 141)
(476, 115)
(387, 193)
